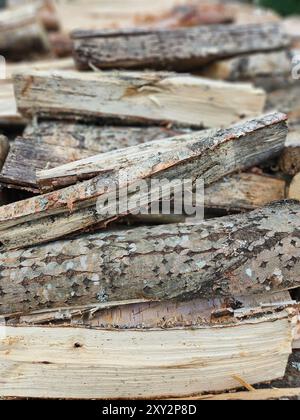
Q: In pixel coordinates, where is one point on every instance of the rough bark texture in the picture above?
(183, 147)
(224, 257)
(290, 159)
(207, 156)
(136, 97)
(179, 49)
(50, 144)
(267, 70)
(21, 32)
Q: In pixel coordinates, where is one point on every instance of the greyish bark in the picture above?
(178, 49)
(208, 156)
(225, 257)
(53, 143)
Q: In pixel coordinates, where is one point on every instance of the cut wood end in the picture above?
(294, 191)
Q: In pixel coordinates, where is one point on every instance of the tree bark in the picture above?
(207, 156)
(177, 49)
(136, 98)
(50, 144)
(247, 254)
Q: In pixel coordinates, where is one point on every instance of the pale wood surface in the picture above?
(294, 190)
(136, 97)
(80, 363)
(21, 31)
(257, 395)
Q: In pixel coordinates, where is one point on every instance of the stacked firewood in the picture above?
(150, 306)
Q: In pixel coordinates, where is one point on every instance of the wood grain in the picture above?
(136, 98)
(81, 363)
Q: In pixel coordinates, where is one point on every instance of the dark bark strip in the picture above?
(178, 49)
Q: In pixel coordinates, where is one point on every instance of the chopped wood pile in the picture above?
(202, 93)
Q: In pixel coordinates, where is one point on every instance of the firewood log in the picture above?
(177, 49)
(237, 255)
(83, 363)
(50, 144)
(136, 97)
(207, 156)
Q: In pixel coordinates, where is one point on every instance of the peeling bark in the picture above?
(50, 144)
(257, 252)
(208, 156)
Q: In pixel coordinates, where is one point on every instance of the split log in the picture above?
(152, 98)
(178, 49)
(208, 156)
(289, 161)
(294, 191)
(224, 257)
(50, 144)
(273, 124)
(257, 395)
(157, 364)
(4, 147)
(245, 191)
(41, 148)
(21, 32)
(266, 70)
